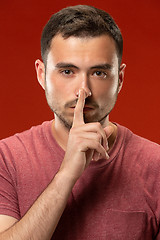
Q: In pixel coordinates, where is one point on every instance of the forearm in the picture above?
(40, 221)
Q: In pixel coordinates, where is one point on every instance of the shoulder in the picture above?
(141, 158)
(35, 131)
(137, 141)
(25, 141)
(139, 147)
(144, 145)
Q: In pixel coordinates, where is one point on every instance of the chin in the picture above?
(90, 119)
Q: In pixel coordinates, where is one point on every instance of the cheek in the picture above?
(105, 91)
(113, 89)
(53, 85)
(58, 91)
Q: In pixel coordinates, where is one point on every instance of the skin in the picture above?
(62, 83)
(86, 137)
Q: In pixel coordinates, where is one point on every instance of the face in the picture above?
(88, 63)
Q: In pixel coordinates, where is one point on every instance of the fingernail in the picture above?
(80, 91)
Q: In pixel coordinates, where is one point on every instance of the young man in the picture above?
(80, 176)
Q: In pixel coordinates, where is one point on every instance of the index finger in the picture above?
(78, 118)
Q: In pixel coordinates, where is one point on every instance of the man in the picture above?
(80, 176)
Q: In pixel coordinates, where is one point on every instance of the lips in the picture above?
(85, 109)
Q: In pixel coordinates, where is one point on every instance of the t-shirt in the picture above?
(115, 199)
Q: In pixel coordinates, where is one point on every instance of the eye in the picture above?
(67, 72)
(100, 74)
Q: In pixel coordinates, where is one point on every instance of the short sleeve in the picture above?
(8, 196)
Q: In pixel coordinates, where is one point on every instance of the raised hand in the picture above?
(86, 142)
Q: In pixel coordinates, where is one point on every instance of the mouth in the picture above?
(86, 108)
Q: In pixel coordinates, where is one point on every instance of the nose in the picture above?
(84, 83)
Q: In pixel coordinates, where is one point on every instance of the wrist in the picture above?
(64, 181)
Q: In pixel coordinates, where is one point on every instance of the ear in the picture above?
(40, 70)
(121, 76)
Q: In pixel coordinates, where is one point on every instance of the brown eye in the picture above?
(100, 74)
(67, 72)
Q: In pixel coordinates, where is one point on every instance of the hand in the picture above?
(86, 142)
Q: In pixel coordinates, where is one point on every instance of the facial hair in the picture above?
(88, 101)
(100, 115)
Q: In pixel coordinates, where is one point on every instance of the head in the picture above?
(80, 21)
(81, 47)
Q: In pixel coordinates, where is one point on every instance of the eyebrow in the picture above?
(65, 65)
(105, 66)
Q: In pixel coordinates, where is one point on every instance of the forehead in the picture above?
(86, 50)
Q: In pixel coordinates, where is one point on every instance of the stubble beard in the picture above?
(67, 123)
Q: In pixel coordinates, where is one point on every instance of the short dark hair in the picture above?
(80, 21)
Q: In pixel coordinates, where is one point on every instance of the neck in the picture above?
(61, 132)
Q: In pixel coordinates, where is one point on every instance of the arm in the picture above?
(42, 218)
(86, 142)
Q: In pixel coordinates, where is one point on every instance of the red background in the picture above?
(22, 101)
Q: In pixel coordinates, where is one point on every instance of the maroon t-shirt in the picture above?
(115, 199)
